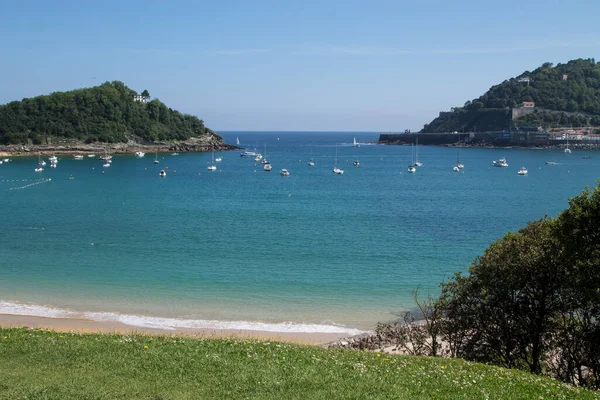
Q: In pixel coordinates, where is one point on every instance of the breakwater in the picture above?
(499, 139)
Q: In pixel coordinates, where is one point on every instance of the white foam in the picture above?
(174, 323)
(34, 310)
(142, 321)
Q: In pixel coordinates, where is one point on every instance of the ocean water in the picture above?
(240, 248)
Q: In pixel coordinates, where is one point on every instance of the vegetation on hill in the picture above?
(531, 301)
(572, 88)
(105, 113)
(40, 364)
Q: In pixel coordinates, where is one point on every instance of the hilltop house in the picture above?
(139, 98)
(528, 104)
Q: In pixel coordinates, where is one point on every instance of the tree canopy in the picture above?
(105, 113)
(532, 300)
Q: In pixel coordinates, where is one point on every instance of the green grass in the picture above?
(37, 364)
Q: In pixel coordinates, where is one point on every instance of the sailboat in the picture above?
(417, 162)
(237, 141)
(355, 144)
(311, 163)
(265, 160)
(39, 167)
(458, 164)
(337, 170)
(156, 158)
(411, 167)
(568, 150)
(212, 167)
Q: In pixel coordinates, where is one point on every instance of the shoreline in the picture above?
(190, 146)
(83, 326)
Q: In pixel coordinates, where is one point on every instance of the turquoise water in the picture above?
(243, 248)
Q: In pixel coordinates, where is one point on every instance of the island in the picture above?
(109, 117)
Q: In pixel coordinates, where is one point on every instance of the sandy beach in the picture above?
(89, 326)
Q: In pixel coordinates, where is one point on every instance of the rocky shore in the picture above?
(190, 145)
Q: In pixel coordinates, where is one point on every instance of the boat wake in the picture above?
(171, 324)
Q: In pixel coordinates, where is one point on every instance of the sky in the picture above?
(381, 66)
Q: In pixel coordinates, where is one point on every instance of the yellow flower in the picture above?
(150, 339)
(145, 347)
(378, 355)
(442, 367)
(60, 336)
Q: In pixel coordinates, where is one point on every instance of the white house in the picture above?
(139, 98)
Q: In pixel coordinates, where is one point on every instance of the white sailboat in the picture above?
(568, 150)
(237, 141)
(337, 170)
(355, 144)
(156, 158)
(411, 167)
(265, 159)
(417, 162)
(162, 173)
(311, 163)
(458, 164)
(212, 167)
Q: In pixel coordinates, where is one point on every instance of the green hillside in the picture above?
(41, 364)
(564, 95)
(105, 113)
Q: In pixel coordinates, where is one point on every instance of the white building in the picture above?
(139, 98)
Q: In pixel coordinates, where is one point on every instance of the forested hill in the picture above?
(107, 113)
(564, 95)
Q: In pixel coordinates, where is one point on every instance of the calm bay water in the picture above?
(243, 248)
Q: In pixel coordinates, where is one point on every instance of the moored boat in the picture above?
(522, 171)
(283, 172)
(501, 162)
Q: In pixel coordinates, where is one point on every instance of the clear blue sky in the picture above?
(291, 65)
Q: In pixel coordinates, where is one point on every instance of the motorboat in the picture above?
(248, 154)
(91, 155)
(105, 157)
(412, 169)
(258, 157)
(7, 160)
(53, 165)
(455, 168)
(212, 168)
(311, 163)
(267, 167)
(460, 166)
(175, 154)
(38, 169)
(77, 157)
(106, 164)
(53, 159)
(218, 159)
(522, 171)
(283, 172)
(162, 173)
(140, 154)
(501, 162)
(356, 163)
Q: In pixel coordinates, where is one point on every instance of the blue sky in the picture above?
(291, 65)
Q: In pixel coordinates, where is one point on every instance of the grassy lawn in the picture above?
(37, 364)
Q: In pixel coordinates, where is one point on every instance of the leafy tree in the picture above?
(145, 94)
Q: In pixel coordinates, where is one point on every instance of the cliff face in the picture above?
(555, 96)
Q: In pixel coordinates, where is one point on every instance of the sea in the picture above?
(240, 248)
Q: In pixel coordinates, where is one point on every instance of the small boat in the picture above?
(267, 167)
(356, 163)
(38, 169)
(283, 172)
(174, 154)
(218, 159)
(162, 173)
(140, 154)
(1, 161)
(7, 160)
(522, 171)
(311, 163)
(212, 167)
(458, 164)
(106, 164)
(77, 157)
(265, 160)
(258, 157)
(551, 163)
(248, 154)
(586, 157)
(568, 150)
(71, 177)
(42, 163)
(53, 165)
(52, 159)
(417, 162)
(156, 158)
(355, 143)
(91, 155)
(411, 168)
(501, 162)
(337, 170)
(455, 168)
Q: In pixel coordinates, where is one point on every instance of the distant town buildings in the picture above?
(139, 98)
(528, 104)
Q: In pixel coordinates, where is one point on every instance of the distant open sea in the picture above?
(239, 248)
